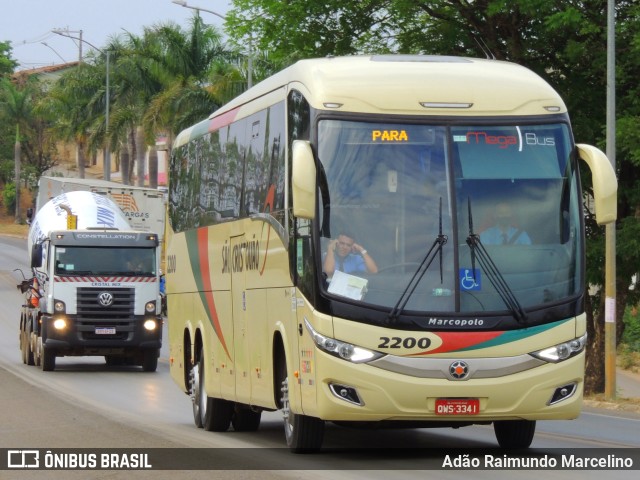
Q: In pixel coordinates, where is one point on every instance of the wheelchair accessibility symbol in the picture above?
(470, 279)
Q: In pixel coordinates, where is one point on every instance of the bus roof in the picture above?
(401, 85)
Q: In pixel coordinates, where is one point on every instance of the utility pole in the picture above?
(67, 33)
(610, 239)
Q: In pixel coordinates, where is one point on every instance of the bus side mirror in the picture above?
(36, 255)
(605, 183)
(303, 180)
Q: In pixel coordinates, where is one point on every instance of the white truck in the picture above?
(94, 288)
(143, 207)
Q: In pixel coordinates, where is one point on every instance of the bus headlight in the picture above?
(562, 351)
(344, 350)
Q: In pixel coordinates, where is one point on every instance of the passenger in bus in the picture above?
(347, 256)
(504, 232)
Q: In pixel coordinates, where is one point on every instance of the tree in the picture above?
(16, 107)
(7, 64)
(196, 71)
(72, 102)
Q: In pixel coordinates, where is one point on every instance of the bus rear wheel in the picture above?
(212, 414)
(514, 433)
(245, 419)
(303, 434)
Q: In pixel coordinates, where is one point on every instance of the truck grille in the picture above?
(93, 314)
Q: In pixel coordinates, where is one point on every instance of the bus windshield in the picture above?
(484, 214)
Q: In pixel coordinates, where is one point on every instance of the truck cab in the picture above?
(98, 289)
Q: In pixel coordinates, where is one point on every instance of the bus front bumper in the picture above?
(362, 392)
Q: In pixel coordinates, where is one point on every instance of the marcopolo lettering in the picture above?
(456, 322)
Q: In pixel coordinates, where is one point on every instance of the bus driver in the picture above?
(346, 255)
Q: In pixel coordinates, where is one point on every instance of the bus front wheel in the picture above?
(303, 434)
(514, 433)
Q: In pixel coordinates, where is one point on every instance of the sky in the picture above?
(27, 24)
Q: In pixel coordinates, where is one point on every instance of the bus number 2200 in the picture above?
(406, 342)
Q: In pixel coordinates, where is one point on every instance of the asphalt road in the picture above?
(85, 404)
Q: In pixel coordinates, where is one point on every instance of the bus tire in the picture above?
(514, 433)
(245, 420)
(48, 359)
(150, 360)
(304, 434)
(212, 414)
(194, 393)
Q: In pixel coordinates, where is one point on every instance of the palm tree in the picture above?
(197, 72)
(72, 101)
(16, 106)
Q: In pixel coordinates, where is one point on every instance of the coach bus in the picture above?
(407, 160)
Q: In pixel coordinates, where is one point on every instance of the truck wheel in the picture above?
(24, 345)
(150, 360)
(113, 360)
(47, 359)
(514, 433)
(303, 434)
(29, 351)
(37, 352)
(212, 414)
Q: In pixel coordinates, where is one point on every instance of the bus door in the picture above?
(301, 347)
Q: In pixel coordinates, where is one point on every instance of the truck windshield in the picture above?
(393, 189)
(105, 261)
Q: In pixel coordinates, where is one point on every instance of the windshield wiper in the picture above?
(492, 271)
(436, 248)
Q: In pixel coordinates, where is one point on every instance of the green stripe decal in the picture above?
(198, 248)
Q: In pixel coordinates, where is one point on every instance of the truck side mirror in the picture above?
(29, 215)
(36, 255)
(303, 180)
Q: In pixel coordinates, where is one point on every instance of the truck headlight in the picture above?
(150, 325)
(150, 307)
(59, 324)
(562, 351)
(59, 306)
(344, 350)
